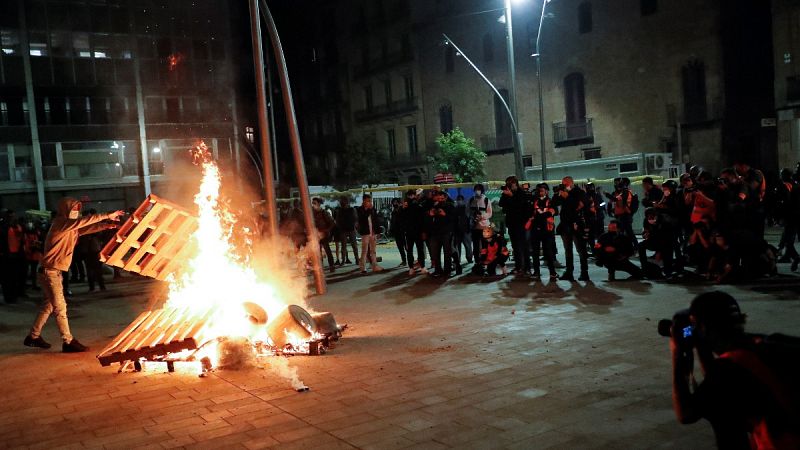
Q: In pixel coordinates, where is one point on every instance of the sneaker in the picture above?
(423, 270)
(584, 277)
(566, 277)
(558, 264)
(378, 269)
(36, 342)
(347, 261)
(411, 272)
(363, 272)
(73, 347)
(505, 271)
(536, 275)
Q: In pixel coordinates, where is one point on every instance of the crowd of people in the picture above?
(705, 225)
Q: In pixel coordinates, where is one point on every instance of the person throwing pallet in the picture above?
(59, 245)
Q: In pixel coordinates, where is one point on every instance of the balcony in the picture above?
(383, 111)
(573, 133)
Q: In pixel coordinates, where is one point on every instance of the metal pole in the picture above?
(271, 106)
(36, 149)
(539, 84)
(513, 92)
(486, 80)
(263, 125)
(297, 151)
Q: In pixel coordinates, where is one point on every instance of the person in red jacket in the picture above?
(59, 245)
(494, 253)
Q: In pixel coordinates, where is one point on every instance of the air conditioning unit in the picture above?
(658, 162)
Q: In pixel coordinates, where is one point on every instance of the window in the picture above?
(488, 48)
(79, 110)
(502, 122)
(80, 45)
(449, 59)
(584, 17)
(411, 138)
(648, 7)
(173, 110)
(591, 153)
(38, 44)
(446, 118)
(575, 98)
(9, 40)
(391, 144)
(368, 97)
(60, 44)
(408, 82)
(387, 91)
(694, 92)
(629, 167)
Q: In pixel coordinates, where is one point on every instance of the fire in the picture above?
(173, 60)
(216, 279)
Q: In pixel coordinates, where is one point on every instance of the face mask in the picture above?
(542, 197)
(74, 214)
(478, 193)
(569, 188)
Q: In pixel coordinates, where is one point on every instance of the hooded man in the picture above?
(59, 245)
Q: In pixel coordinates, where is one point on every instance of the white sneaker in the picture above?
(423, 270)
(505, 271)
(411, 272)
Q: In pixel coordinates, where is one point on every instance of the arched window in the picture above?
(449, 58)
(695, 108)
(502, 122)
(575, 104)
(488, 48)
(584, 17)
(446, 118)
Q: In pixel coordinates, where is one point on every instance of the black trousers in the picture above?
(624, 265)
(543, 241)
(325, 243)
(345, 238)
(574, 238)
(400, 241)
(413, 239)
(94, 271)
(439, 242)
(519, 242)
(491, 267)
(477, 235)
(664, 247)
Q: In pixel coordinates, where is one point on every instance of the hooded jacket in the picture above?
(64, 232)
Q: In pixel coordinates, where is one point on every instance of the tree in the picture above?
(363, 160)
(459, 156)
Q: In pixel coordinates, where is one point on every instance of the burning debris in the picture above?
(218, 313)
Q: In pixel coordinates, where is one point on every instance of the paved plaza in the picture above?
(424, 363)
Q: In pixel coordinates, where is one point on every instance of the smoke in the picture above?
(236, 354)
(280, 367)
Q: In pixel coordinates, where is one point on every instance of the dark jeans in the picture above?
(345, 238)
(439, 242)
(626, 266)
(477, 235)
(787, 241)
(413, 239)
(626, 227)
(325, 243)
(664, 248)
(463, 239)
(32, 266)
(400, 241)
(519, 242)
(542, 240)
(94, 272)
(574, 238)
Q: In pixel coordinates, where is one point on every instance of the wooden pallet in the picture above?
(157, 333)
(154, 241)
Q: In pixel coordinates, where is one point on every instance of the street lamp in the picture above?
(513, 93)
(517, 134)
(538, 56)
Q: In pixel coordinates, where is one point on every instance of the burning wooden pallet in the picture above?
(157, 333)
(154, 241)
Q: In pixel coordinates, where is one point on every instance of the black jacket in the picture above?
(437, 223)
(363, 222)
(516, 207)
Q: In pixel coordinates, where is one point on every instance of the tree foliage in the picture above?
(458, 155)
(362, 160)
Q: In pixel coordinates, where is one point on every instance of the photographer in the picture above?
(744, 394)
(439, 218)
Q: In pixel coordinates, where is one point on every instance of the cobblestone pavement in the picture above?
(468, 363)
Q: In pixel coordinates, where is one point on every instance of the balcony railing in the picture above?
(380, 111)
(573, 132)
(503, 143)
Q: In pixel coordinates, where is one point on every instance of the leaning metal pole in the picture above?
(512, 74)
(518, 141)
(263, 125)
(539, 84)
(297, 151)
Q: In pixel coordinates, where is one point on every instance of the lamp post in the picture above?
(517, 142)
(538, 56)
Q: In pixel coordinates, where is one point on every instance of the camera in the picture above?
(682, 325)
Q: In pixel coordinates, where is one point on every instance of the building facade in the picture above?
(101, 100)
(618, 77)
(786, 20)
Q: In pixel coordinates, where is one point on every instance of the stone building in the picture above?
(786, 35)
(618, 77)
(101, 100)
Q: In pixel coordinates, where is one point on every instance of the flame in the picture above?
(215, 279)
(173, 60)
